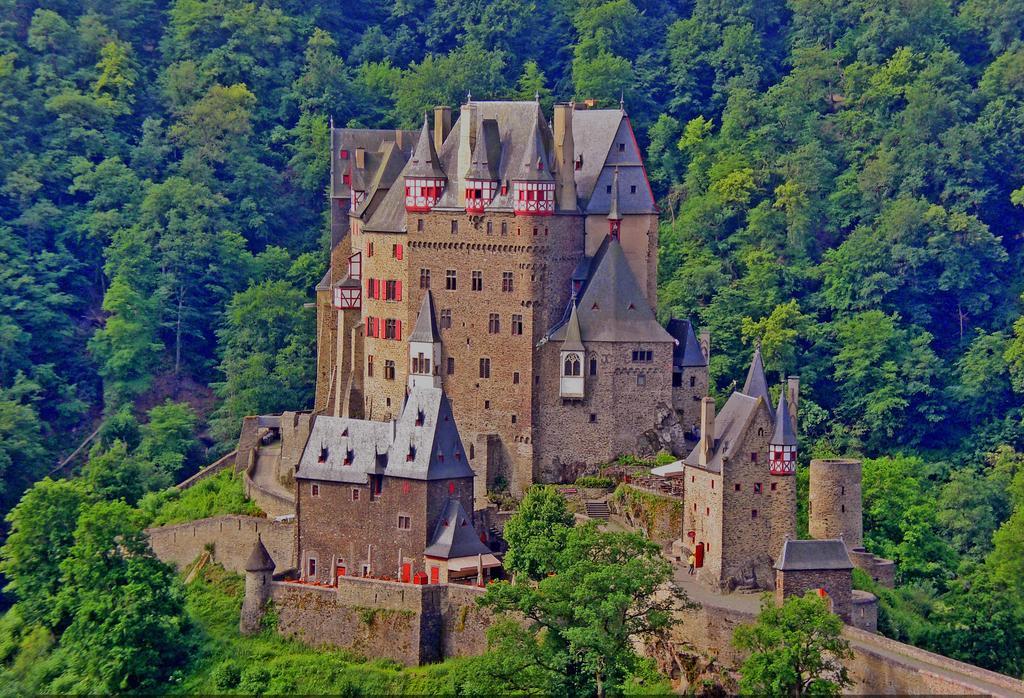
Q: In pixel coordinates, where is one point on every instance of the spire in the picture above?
(259, 560)
(426, 323)
(534, 166)
(424, 161)
(573, 340)
(613, 211)
(784, 434)
(622, 101)
(757, 384)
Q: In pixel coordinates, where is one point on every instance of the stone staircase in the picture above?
(598, 510)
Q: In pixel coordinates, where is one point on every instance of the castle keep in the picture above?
(513, 263)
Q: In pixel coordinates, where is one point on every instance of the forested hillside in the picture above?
(841, 180)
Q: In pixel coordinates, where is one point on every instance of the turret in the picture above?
(424, 177)
(533, 186)
(259, 570)
(481, 180)
(756, 384)
(571, 384)
(782, 448)
(425, 348)
(614, 217)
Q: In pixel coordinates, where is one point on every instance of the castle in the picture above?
(524, 256)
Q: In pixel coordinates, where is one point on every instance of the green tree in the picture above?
(168, 438)
(606, 592)
(41, 535)
(795, 649)
(537, 532)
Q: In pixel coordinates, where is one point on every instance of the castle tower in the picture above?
(571, 383)
(425, 348)
(782, 448)
(835, 508)
(782, 454)
(533, 186)
(424, 177)
(258, 573)
(756, 384)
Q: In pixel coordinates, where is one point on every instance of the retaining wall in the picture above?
(232, 538)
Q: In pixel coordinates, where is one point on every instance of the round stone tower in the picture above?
(835, 508)
(259, 570)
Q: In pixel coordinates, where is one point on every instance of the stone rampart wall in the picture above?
(231, 537)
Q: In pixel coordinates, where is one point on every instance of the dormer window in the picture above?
(440, 458)
(458, 456)
(579, 163)
(622, 147)
(350, 456)
(323, 455)
(411, 455)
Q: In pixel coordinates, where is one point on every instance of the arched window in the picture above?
(572, 365)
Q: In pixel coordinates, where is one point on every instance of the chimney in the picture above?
(793, 396)
(467, 135)
(707, 430)
(442, 125)
(565, 155)
(361, 158)
(705, 345)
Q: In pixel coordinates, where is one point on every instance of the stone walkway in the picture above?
(264, 477)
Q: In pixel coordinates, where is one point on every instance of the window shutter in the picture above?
(398, 252)
(398, 285)
(376, 289)
(376, 327)
(369, 327)
(398, 329)
(369, 288)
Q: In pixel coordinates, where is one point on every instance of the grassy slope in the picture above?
(226, 662)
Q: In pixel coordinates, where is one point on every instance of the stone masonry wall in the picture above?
(411, 624)
(615, 411)
(686, 398)
(232, 538)
(836, 584)
(835, 506)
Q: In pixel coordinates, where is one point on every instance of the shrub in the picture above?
(595, 481)
(214, 496)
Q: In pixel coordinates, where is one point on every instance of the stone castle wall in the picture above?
(410, 624)
(231, 537)
(836, 584)
(835, 506)
(686, 397)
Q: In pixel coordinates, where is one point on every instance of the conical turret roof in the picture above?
(573, 340)
(484, 150)
(757, 384)
(613, 211)
(424, 161)
(784, 434)
(426, 323)
(534, 167)
(259, 559)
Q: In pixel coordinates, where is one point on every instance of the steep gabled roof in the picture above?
(783, 434)
(687, 352)
(813, 555)
(259, 559)
(455, 536)
(372, 140)
(424, 161)
(426, 323)
(423, 444)
(612, 308)
(731, 426)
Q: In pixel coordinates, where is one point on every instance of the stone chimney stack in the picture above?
(442, 125)
(565, 158)
(705, 344)
(467, 138)
(707, 430)
(361, 158)
(793, 396)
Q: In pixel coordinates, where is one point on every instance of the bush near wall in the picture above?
(661, 518)
(216, 496)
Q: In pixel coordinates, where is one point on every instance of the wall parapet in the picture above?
(231, 537)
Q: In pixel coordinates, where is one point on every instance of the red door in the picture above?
(699, 555)
(341, 571)
(435, 573)
(406, 572)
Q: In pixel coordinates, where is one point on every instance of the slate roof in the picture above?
(486, 151)
(756, 384)
(424, 162)
(572, 341)
(259, 559)
(372, 140)
(455, 536)
(535, 166)
(813, 555)
(423, 444)
(611, 307)
(731, 425)
(783, 434)
(425, 329)
(687, 352)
